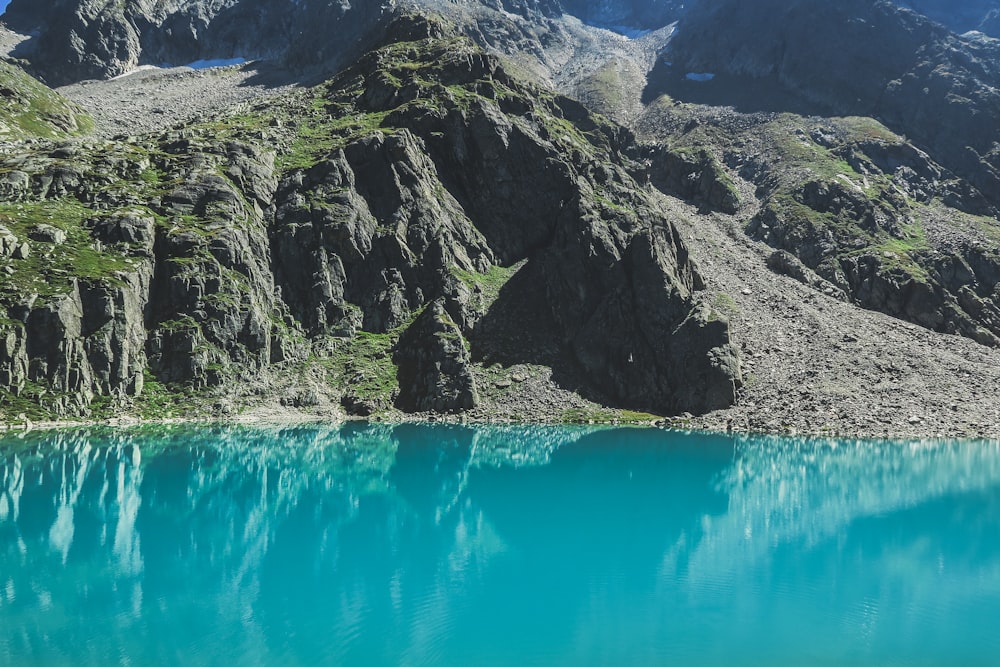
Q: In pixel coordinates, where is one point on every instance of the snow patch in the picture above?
(699, 76)
(627, 31)
(218, 62)
(140, 68)
(198, 64)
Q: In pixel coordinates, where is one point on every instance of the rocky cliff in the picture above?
(360, 232)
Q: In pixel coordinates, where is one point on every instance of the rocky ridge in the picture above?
(75, 40)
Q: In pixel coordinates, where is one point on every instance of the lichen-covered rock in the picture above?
(8, 243)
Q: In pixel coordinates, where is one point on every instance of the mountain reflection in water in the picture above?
(403, 544)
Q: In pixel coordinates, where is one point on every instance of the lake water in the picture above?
(450, 545)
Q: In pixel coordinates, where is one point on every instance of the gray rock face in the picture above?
(619, 329)
(696, 177)
(434, 373)
(89, 342)
(377, 184)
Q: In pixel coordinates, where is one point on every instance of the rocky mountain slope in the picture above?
(899, 215)
(29, 109)
(921, 80)
(960, 17)
(433, 229)
(367, 231)
(94, 39)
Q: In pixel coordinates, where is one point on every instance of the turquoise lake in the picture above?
(454, 545)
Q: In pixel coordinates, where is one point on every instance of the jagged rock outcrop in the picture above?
(143, 266)
(332, 245)
(693, 176)
(434, 372)
(617, 329)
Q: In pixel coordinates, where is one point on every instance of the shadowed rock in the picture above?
(434, 374)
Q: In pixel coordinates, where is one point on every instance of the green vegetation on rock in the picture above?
(364, 364)
(51, 267)
(28, 108)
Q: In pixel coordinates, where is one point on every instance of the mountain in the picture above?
(920, 79)
(90, 39)
(960, 17)
(768, 215)
(902, 225)
(424, 208)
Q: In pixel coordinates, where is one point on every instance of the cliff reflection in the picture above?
(391, 544)
(882, 543)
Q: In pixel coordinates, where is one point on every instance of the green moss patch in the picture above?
(364, 364)
(28, 108)
(51, 268)
(489, 283)
(606, 416)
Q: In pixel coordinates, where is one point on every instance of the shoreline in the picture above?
(695, 426)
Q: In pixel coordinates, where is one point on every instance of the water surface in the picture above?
(449, 545)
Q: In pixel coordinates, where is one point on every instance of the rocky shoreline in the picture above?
(709, 424)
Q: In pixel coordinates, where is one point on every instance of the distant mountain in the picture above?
(961, 16)
(864, 58)
(85, 39)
